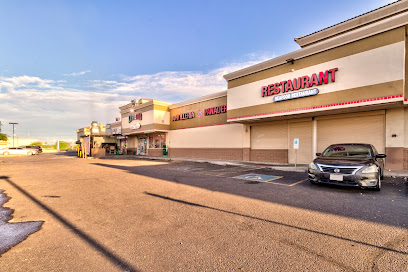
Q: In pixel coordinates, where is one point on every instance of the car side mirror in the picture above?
(380, 156)
(318, 154)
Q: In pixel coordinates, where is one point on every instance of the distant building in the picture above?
(96, 139)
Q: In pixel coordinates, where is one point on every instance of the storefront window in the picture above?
(151, 143)
(157, 141)
(163, 140)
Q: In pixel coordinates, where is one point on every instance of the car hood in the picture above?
(344, 161)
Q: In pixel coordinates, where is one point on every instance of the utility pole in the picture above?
(11, 123)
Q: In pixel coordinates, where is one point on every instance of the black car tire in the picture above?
(29, 153)
(5, 153)
(378, 186)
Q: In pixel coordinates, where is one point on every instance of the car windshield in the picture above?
(353, 151)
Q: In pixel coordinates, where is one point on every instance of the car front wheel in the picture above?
(5, 153)
(378, 186)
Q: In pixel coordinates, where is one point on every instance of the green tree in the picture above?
(64, 145)
(3, 137)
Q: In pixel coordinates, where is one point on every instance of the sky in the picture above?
(64, 64)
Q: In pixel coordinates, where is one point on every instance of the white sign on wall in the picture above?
(296, 143)
(135, 126)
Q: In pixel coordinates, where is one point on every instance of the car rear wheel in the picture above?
(5, 153)
(29, 153)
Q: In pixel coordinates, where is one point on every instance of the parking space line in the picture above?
(293, 184)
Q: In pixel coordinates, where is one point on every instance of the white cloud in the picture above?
(174, 86)
(78, 73)
(50, 108)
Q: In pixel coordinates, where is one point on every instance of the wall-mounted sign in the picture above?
(296, 143)
(117, 130)
(183, 116)
(215, 110)
(135, 126)
(303, 82)
(294, 95)
(135, 116)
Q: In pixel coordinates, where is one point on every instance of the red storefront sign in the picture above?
(215, 110)
(302, 82)
(183, 116)
(135, 116)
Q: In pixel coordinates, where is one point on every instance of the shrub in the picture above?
(3, 137)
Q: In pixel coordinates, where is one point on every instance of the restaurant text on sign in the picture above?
(302, 82)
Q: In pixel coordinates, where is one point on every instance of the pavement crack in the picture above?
(380, 252)
(317, 254)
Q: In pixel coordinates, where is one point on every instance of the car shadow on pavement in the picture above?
(276, 223)
(67, 153)
(116, 260)
(386, 206)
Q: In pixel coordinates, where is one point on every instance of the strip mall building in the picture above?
(347, 83)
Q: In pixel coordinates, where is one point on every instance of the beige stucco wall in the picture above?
(376, 66)
(219, 136)
(395, 124)
(405, 124)
(161, 117)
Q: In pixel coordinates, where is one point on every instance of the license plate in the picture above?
(336, 177)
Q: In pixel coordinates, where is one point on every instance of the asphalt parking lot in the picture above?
(141, 215)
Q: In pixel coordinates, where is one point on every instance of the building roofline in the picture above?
(371, 29)
(353, 23)
(199, 99)
(146, 104)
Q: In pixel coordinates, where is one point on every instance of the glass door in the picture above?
(142, 146)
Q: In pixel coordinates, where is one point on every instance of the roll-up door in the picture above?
(269, 142)
(358, 129)
(270, 136)
(304, 132)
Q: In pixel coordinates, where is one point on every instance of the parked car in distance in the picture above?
(18, 151)
(357, 165)
(36, 147)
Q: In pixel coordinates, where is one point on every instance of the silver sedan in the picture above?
(17, 151)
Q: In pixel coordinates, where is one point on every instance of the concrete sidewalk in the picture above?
(276, 166)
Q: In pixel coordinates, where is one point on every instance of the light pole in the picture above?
(11, 123)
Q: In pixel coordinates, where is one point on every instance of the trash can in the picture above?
(165, 151)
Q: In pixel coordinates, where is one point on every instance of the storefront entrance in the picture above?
(142, 146)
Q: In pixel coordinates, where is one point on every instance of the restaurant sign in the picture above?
(299, 83)
(294, 95)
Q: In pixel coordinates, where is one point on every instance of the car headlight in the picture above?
(312, 166)
(370, 169)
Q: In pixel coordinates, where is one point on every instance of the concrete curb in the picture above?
(274, 166)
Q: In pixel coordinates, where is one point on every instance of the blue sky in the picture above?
(64, 64)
